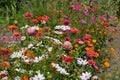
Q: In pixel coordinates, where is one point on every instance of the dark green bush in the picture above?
(11, 7)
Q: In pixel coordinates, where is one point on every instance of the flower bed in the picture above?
(66, 44)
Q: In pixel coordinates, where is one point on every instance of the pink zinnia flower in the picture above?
(67, 45)
(92, 20)
(79, 41)
(86, 13)
(77, 7)
(90, 53)
(66, 22)
(87, 37)
(28, 15)
(30, 30)
(83, 21)
(95, 66)
(38, 35)
(16, 35)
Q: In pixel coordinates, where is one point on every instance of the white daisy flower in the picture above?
(80, 61)
(85, 76)
(62, 27)
(38, 77)
(30, 45)
(59, 69)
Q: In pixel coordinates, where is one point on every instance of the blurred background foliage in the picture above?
(12, 9)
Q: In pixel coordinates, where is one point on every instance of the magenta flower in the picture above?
(95, 66)
(83, 21)
(30, 30)
(86, 13)
(77, 7)
(46, 29)
(92, 20)
(79, 41)
(66, 22)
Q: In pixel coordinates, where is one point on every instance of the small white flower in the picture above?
(50, 49)
(38, 77)
(59, 69)
(30, 45)
(80, 61)
(85, 76)
(20, 70)
(43, 22)
(23, 38)
(58, 32)
(62, 27)
(17, 78)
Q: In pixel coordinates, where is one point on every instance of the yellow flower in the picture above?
(112, 49)
(94, 41)
(106, 64)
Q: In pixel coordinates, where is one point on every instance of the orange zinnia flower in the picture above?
(40, 30)
(96, 55)
(12, 27)
(25, 77)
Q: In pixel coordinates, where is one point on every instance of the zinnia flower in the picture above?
(87, 37)
(92, 20)
(28, 15)
(77, 7)
(83, 21)
(34, 21)
(12, 27)
(67, 59)
(90, 53)
(30, 30)
(66, 22)
(67, 45)
(91, 62)
(74, 30)
(67, 38)
(16, 35)
(79, 41)
(86, 13)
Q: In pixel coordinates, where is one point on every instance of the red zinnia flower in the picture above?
(28, 15)
(67, 59)
(87, 37)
